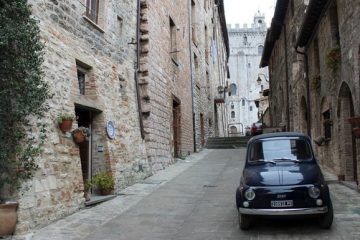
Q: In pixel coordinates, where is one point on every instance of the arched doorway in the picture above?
(347, 144)
(233, 130)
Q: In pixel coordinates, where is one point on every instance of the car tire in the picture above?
(327, 219)
(244, 221)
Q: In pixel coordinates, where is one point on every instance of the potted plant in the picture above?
(105, 182)
(81, 134)
(333, 59)
(65, 122)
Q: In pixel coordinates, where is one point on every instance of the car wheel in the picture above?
(327, 219)
(244, 221)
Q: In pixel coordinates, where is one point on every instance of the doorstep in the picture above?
(95, 199)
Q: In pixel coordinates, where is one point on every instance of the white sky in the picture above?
(243, 11)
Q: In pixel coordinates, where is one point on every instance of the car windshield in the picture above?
(286, 149)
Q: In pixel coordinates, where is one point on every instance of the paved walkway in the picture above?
(195, 199)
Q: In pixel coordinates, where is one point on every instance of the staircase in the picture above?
(227, 142)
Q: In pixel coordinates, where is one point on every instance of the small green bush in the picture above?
(104, 180)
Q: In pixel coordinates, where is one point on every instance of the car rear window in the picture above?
(285, 148)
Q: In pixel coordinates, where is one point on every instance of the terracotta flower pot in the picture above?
(105, 192)
(354, 121)
(8, 217)
(79, 136)
(65, 125)
(356, 132)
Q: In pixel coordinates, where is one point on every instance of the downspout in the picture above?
(307, 90)
(287, 81)
(191, 77)
(138, 69)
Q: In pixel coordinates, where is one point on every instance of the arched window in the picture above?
(260, 49)
(232, 106)
(232, 114)
(243, 102)
(232, 89)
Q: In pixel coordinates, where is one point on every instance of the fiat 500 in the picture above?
(281, 177)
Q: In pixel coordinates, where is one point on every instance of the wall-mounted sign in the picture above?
(110, 129)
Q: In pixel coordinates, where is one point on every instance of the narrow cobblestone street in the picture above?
(195, 199)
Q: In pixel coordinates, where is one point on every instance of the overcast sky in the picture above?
(243, 11)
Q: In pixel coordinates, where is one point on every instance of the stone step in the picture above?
(227, 142)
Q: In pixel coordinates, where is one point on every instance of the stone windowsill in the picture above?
(93, 24)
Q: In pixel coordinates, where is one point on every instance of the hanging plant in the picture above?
(333, 59)
(81, 134)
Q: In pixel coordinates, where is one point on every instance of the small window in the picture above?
(250, 108)
(173, 45)
(232, 114)
(245, 40)
(243, 103)
(84, 77)
(232, 106)
(233, 89)
(260, 49)
(81, 80)
(92, 10)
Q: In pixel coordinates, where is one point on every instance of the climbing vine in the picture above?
(23, 93)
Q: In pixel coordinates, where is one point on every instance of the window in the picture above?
(173, 46)
(206, 45)
(232, 89)
(81, 80)
(232, 106)
(120, 21)
(193, 22)
(84, 77)
(250, 108)
(260, 49)
(92, 10)
(243, 102)
(245, 40)
(232, 114)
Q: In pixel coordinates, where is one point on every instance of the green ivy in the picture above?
(333, 59)
(23, 93)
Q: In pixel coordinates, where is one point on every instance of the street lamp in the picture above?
(259, 79)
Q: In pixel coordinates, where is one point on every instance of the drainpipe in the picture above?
(287, 81)
(138, 69)
(307, 90)
(191, 77)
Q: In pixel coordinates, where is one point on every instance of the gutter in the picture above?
(136, 75)
(308, 109)
(191, 77)
(287, 81)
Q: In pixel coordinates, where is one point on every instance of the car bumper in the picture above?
(284, 212)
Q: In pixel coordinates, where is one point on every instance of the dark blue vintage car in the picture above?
(281, 177)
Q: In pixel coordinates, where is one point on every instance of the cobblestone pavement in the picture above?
(195, 199)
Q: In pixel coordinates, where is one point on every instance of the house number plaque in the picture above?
(110, 129)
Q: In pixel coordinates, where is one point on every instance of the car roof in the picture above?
(278, 134)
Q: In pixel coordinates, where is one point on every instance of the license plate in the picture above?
(283, 203)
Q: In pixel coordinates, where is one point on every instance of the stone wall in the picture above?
(334, 94)
(103, 50)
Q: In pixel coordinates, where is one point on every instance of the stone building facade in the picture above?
(320, 68)
(246, 47)
(124, 70)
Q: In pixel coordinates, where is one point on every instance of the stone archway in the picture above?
(347, 144)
